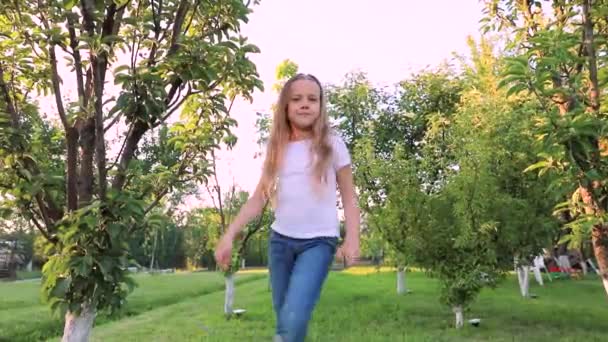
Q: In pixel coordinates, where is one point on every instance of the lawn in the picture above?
(23, 317)
(366, 308)
(353, 307)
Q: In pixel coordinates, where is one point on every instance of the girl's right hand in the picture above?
(223, 252)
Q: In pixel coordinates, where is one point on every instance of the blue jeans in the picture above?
(298, 269)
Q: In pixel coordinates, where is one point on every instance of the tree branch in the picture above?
(137, 131)
(140, 128)
(182, 10)
(7, 99)
(57, 87)
(198, 2)
(72, 133)
(54, 73)
(113, 122)
(157, 32)
(165, 191)
(100, 63)
(87, 8)
(121, 149)
(77, 60)
(250, 232)
(156, 201)
(175, 107)
(43, 211)
(592, 62)
(44, 233)
(177, 98)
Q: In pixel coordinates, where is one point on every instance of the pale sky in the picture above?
(387, 39)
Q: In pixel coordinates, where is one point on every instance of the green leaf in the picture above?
(61, 287)
(538, 165)
(251, 48)
(593, 175)
(518, 88)
(121, 68)
(510, 79)
(130, 282)
(105, 265)
(58, 305)
(69, 4)
(564, 239)
(5, 213)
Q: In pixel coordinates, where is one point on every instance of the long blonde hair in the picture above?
(280, 135)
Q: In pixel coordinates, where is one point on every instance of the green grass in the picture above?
(24, 317)
(366, 308)
(352, 308)
(23, 275)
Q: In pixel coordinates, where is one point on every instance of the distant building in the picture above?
(10, 258)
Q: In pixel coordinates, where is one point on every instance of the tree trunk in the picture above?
(538, 275)
(599, 238)
(78, 328)
(584, 267)
(154, 250)
(401, 287)
(524, 280)
(459, 316)
(229, 295)
(590, 262)
(72, 168)
(87, 177)
(138, 130)
(599, 235)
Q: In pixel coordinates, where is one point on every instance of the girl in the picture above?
(304, 164)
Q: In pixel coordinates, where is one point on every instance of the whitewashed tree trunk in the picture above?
(459, 316)
(154, 250)
(401, 287)
(29, 266)
(229, 294)
(538, 275)
(584, 267)
(593, 266)
(524, 281)
(78, 328)
(564, 263)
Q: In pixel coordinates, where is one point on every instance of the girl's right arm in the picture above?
(250, 210)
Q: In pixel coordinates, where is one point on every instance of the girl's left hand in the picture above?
(349, 250)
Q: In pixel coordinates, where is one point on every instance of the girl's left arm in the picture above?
(344, 177)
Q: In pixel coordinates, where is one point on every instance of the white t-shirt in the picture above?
(301, 212)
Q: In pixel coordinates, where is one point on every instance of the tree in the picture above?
(284, 71)
(558, 55)
(150, 173)
(164, 56)
(375, 122)
(352, 106)
(227, 207)
(505, 125)
(399, 211)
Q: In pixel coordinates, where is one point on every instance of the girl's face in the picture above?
(303, 104)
